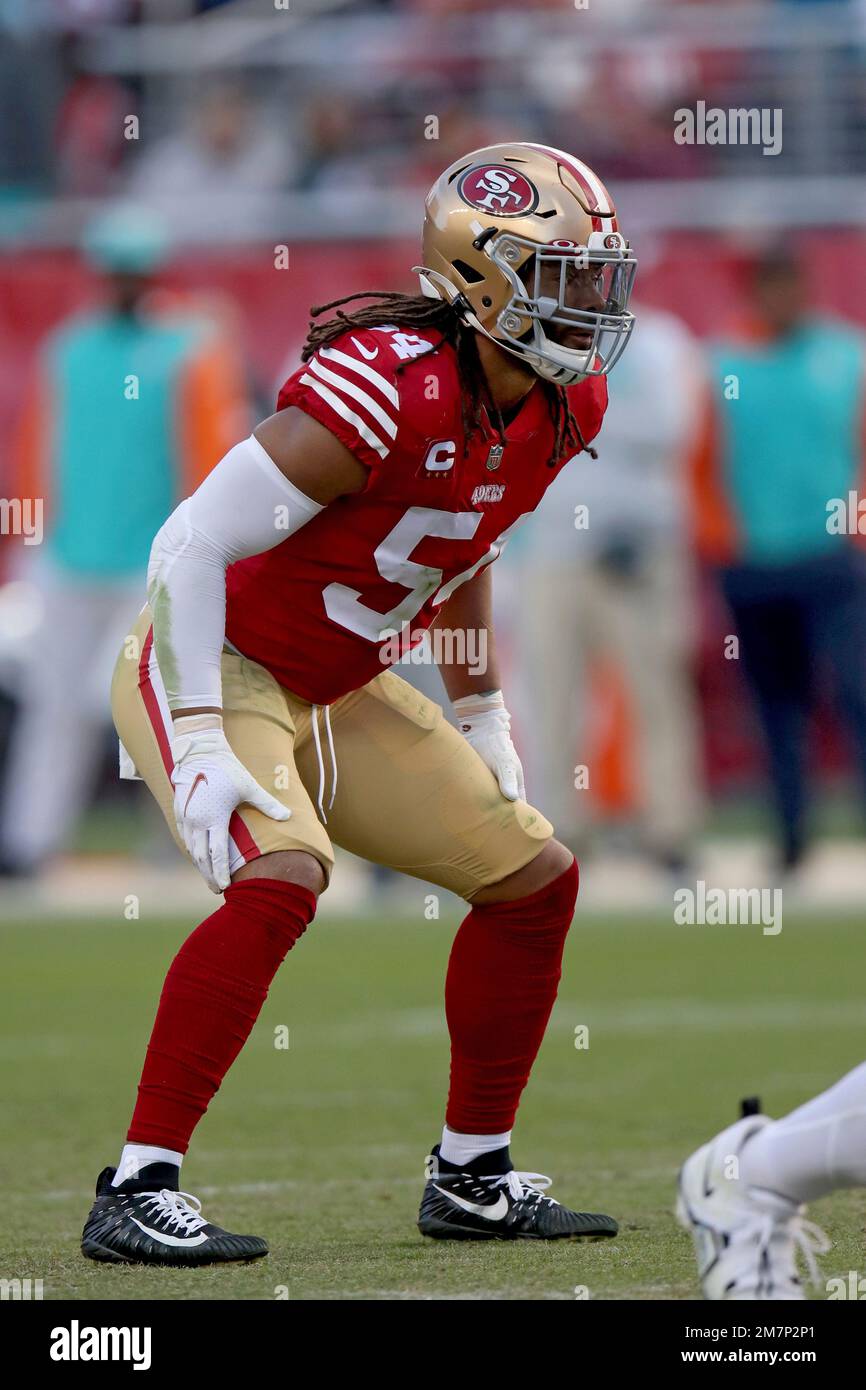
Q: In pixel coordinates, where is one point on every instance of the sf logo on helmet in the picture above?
(504, 192)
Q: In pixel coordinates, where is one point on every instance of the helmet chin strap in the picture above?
(567, 373)
(565, 366)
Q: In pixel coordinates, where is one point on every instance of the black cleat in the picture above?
(144, 1222)
(468, 1204)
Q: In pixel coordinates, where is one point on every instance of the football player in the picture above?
(417, 434)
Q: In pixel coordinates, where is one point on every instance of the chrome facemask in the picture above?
(610, 327)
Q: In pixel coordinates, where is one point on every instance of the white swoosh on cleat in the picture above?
(494, 1212)
(170, 1240)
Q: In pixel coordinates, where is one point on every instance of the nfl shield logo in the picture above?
(494, 458)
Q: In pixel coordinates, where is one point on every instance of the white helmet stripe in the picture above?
(346, 414)
(576, 166)
(601, 194)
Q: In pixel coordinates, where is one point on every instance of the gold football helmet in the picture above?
(495, 220)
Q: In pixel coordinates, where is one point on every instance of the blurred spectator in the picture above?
(331, 143)
(783, 437)
(130, 406)
(222, 168)
(29, 79)
(89, 137)
(612, 585)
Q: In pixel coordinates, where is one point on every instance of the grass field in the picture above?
(321, 1147)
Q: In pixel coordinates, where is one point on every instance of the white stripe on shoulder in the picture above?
(340, 407)
(388, 390)
(350, 389)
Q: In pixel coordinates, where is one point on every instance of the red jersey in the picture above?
(320, 610)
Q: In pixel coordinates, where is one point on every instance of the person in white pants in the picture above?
(105, 452)
(603, 570)
(63, 710)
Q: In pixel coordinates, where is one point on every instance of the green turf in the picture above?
(321, 1147)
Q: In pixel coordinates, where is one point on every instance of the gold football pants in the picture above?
(410, 792)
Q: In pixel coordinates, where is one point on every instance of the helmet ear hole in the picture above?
(467, 272)
(487, 301)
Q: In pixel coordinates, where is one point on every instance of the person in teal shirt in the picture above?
(131, 403)
(783, 461)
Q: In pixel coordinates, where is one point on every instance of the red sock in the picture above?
(501, 985)
(211, 998)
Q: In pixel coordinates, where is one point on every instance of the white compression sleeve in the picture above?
(245, 506)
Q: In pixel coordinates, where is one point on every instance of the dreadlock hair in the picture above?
(417, 311)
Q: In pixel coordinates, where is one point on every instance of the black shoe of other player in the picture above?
(488, 1200)
(144, 1222)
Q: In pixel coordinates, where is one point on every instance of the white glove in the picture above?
(209, 783)
(484, 722)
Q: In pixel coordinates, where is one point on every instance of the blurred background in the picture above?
(684, 634)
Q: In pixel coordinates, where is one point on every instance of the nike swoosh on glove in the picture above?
(484, 722)
(209, 784)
